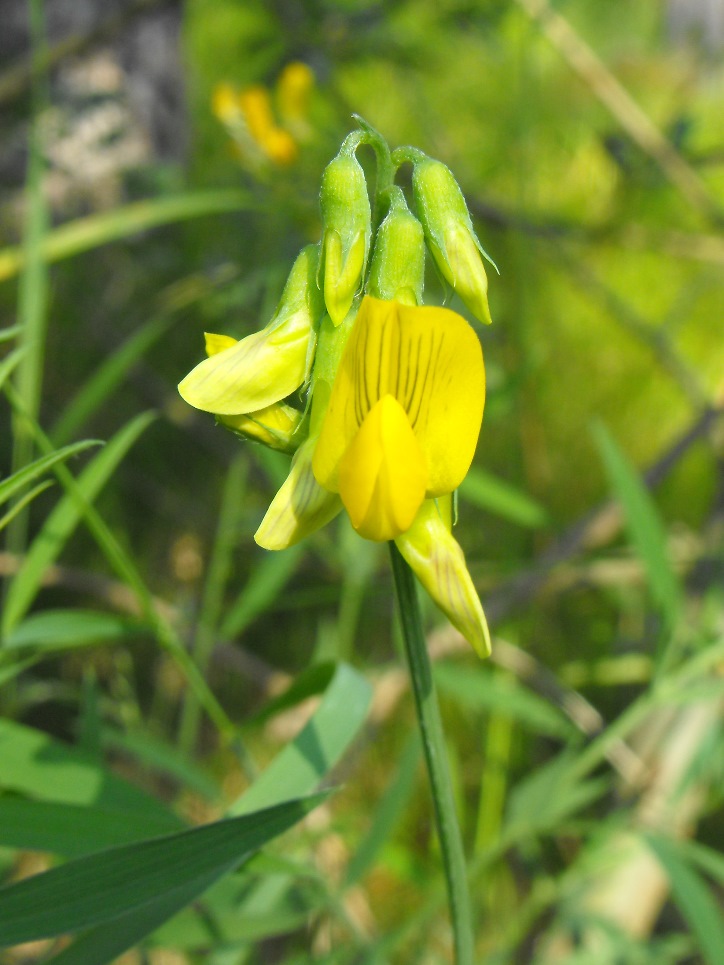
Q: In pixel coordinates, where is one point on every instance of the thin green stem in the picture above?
(385, 174)
(433, 741)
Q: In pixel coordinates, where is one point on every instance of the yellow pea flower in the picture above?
(243, 377)
(404, 414)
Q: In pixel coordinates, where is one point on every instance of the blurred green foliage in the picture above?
(144, 627)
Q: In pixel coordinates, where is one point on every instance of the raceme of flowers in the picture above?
(378, 397)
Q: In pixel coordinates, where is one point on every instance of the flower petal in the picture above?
(299, 508)
(439, 564)
(276, 426)
(255, 372)
(218, 343)
(430, 360)
(382, 474)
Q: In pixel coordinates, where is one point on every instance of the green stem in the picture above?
(385, 174)
(433, 741)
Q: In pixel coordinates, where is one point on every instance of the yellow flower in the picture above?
(250, 119)
(243, 377)
(404, 414)
(391, 441)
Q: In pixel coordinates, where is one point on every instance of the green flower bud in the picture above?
(346, 222)
(398, 259)
(450, 235)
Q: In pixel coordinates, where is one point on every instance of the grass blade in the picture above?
(101, 887)
(89, 233)
(63, 520)
(299, 768)
(693, 898)
(644, 525)
(19, 480)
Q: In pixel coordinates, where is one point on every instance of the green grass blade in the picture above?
(693, 898)
(480, 690)
(644, 525)
(162, 758)
(24, 501)
(109, 375)
(72, 830)
(7, 334)
(487, 492)
(63, 521)
(387, 813)
(68, 629)
(89, 233)
(9, 364)
(19, 480)
(106, 942)
(299, 768)
(103, 886)
(267, 580)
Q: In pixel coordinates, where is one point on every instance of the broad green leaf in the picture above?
(35, 764)
(268, 578)
(88, 233)
(63, 520)
(694, 899)
(72, 830)
(480, 690)
(299, 768)
(68, 629)
(13, 484)
(104, 943)
(643, 523)
(487, 492)
(101, 887)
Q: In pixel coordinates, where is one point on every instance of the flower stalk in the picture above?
(438, 769)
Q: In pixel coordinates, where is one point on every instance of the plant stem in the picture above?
(433, 741)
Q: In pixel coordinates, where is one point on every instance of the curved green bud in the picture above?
(346, 231)
(263, 368)
(450, 235)
(398, 258)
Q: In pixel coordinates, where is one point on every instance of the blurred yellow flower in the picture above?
(249, 117)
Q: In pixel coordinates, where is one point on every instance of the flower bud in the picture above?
(300, 507)
(274, 426)
(450, 235)
(243, 377)
(398, 259)
(346, 221)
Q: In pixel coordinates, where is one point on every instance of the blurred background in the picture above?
(159, 171)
